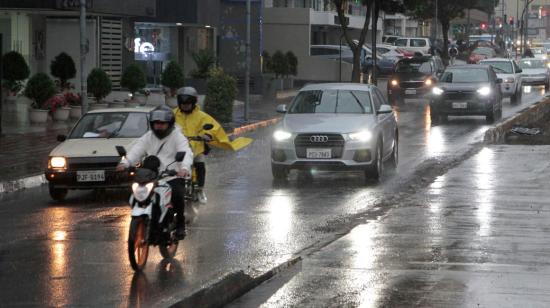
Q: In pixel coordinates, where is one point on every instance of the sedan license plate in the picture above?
(90, 176)
(318, 153)
(460, 105)
(410, 91)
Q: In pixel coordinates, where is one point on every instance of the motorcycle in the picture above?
(154, 219)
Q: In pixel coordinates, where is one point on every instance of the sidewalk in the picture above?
(24, 148)
(478, 236)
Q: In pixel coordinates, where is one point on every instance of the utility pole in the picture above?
(247, 72)
(83, 81)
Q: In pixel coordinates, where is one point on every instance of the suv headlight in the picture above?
(484, 91)
(281, 135)
(142, 191)
(58, 162)
(362, 136)
(437, 91)
(509, 80)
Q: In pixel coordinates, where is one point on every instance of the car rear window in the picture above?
(111, 125)
(472, 75)
(401, 42)
(414, 67)
(418, 43)
(332, 101)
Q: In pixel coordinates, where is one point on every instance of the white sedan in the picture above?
(335, 127)
(510, 73)
(87, 157)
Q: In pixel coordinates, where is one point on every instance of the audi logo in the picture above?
(318, 138)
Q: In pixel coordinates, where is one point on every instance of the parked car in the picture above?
(335, 127)
(414, 77)
(414, 44)
(383, 66)
(481, 53)
(87, 157)
(510, 73)
(535, 72)
(467, 90)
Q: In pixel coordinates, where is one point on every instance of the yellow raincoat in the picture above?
(192, 124)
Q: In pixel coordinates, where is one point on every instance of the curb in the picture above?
(532, 113)
(250, 127)
(228, 288)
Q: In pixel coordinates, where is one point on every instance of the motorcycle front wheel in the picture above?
(138, 249)
(168, 251)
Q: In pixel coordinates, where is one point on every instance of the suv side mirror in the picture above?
(519, 70)
(61, 138)
(384, 109)
(281, 108)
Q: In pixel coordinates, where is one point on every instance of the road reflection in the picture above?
(484, 181)
(280, 219)
(365, 258)
(58, 259)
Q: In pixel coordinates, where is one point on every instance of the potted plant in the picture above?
(133, 79)
(75, 103)
(63, 68)
(39, 89)
(14, 71)
(58, 107)
(220, 94)
(172, 78)
(279, 65)
(204, 61)
(99, 85)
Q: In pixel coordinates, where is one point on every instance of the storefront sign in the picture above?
(72, 4)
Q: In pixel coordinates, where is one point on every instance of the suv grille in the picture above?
(333, 141)
(460, 96)
(412, 84)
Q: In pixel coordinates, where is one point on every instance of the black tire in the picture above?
(138, 250)
(375, 171)
(516, 98)
(547, 85)
(434, 117)
(280, 173)
(58, 194)
(168, 251)
(394, 159)
(490, 116)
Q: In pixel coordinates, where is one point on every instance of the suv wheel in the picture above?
(279, 172)
(375, 171)
(516, 98)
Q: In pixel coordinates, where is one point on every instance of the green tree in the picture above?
(133, 78)
(172, 77)
(292, 61)
(99, 84)
(221, 90)
(40, 88)
(63, 68)
(204, 59)
(14, 71)
(279, 64)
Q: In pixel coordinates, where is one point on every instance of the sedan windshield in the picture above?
(531, 63)
(111, 125)
(473, 75)
(500, 66)
(332, 101)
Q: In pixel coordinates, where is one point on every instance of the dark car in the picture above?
(414, 77)
(467, 90)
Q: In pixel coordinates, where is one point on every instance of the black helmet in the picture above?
(187, 95)
(162, 114)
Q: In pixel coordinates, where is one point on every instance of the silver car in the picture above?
(535, 72)
(335, 126)
(510, 73)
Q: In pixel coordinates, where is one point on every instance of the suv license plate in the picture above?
(460, 105)
(90, 176)
(410, 91)
(318, 153)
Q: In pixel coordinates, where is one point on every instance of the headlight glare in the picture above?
(394, 82)
(484, 91)
(362, 136)
(58, 162)
(280, 135)
(142, 191)
(428, 82)
(437, 91)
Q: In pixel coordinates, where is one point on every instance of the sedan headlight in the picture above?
(363, 136)
(394, 82)
(437, 91)
(281, 135)
(58, 162)
(428, 82)
(142, 191)
(509, 80)
(484, 91)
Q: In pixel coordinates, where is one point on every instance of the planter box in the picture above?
(15, 109)
(38, 116)
(61, 114)
(76, 112)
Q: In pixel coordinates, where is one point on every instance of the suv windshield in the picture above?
(473, 75)
(531, 63)
(414, 67)
(332, 101)
(111, 125)
(500, 66)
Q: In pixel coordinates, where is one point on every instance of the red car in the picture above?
(481, 53)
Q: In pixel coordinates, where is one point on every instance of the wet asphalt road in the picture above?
(74, 253)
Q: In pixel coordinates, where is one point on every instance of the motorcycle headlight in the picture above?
(437, 91)
(281, 135)
(362, 136)
(142, 191)
(484, 91)
(58, 162)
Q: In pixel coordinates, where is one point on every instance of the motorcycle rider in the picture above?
(164, 140)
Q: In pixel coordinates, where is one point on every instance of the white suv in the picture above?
(414, 44)
(510, 73)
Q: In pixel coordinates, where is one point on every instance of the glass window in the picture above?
(401, 42)
(331, 101)
(418, 43)
(473, 75)
(413, 67)
(111, 125)
(500, 66)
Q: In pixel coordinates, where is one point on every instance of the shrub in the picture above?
(99, 84)
(172, 77)
(133, 78)
(221, 90)
(292, 61)
(40, 88)
(54, 102)
(204, 59)
(279, 64)
(14, 71)
(73, 99)
(63, 68)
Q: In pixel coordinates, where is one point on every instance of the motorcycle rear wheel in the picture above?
(138, 249)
